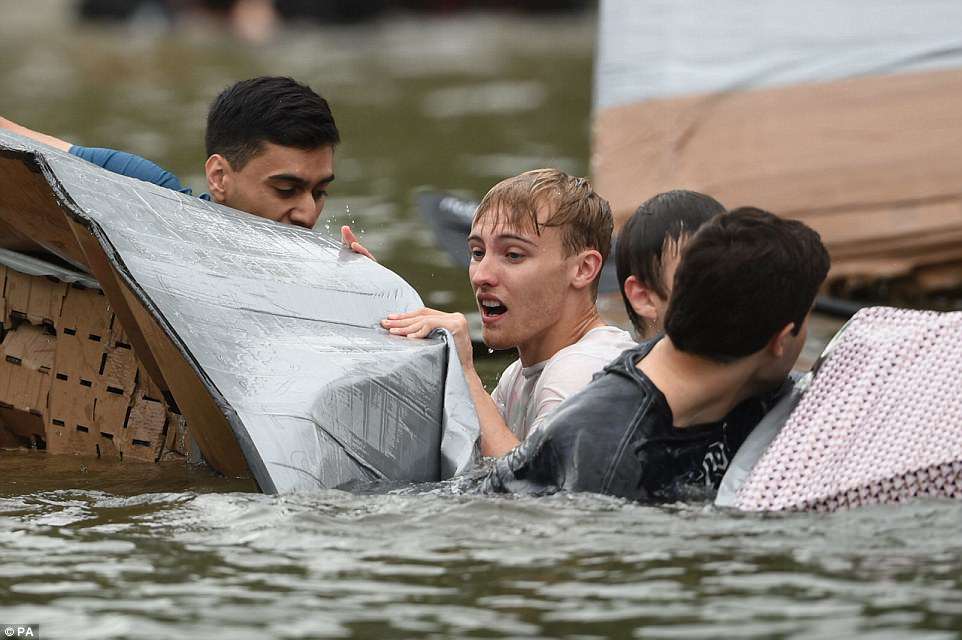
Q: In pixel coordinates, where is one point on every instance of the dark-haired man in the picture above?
(649, 249)
(663, 421)
(270, 145)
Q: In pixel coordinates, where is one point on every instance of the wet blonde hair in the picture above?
(583, 216)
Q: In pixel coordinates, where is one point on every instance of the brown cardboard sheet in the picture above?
(70, 381)
(82, 416)
(873, 163)
(29, 212)
(26, 357)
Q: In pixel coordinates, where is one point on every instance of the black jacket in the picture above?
(616, 437)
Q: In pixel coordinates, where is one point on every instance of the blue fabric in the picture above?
(132, 166)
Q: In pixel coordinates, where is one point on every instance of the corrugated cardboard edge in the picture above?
(138, 312)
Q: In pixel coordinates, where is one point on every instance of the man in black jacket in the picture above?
(663, 421)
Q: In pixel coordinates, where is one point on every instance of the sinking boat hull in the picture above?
(264, 336)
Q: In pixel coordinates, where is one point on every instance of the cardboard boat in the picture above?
(843, 115)
(69, 379)
(256, 341)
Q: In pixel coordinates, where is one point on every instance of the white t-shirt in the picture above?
(527, 395)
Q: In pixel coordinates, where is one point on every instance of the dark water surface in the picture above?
(95, 550)
(97, 564)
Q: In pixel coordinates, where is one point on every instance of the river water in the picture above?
(88, 563)
(96, 550)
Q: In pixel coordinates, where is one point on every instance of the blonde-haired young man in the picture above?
(537, 243)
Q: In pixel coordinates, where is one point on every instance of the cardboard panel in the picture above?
(81, 360)
(177, 442)
(146, 383)
(126, 323)
(119, 371)
(87, 313)
(26, 356)
(3, 299)
(27, 427)
(107, 447)
(118, 336)
(17, 296)
(145, 429)
(110, 415)
(216, 439)
(46, 298)
(874, 163)
(852, 143)
(30, 346)
(906, 222)
(32, 212)
(71, 428)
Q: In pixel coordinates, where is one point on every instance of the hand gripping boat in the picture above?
(259, 340)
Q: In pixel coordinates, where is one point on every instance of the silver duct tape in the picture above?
(282, 324)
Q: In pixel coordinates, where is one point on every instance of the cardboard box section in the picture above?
(34, 209)
(70, 381)
(29, 212)
(873, 163)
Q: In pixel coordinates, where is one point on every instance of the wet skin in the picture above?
(284, 184)
(520, 280)
(531, 296)
(525, 287)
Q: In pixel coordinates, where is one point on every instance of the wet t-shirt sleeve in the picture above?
(561, 379)
(573, 368)
(130, 165)
(533, 467)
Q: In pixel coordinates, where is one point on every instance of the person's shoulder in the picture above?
(130, 165)
(600, 345)
(507, 378)
(589, 430)
(511, 371)
(614, 393)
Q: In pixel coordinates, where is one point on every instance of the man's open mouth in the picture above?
(491, 307)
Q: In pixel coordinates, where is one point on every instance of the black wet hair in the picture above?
(660, 222)
(743, 277)
(272, 109)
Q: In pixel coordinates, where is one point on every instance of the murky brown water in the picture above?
(94, 550)
(96, 564)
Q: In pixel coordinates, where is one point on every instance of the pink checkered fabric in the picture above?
(881, 422)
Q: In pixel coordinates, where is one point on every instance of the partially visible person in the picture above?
(649, 248)
(270, 145)
(666, 418)
(537, 245)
